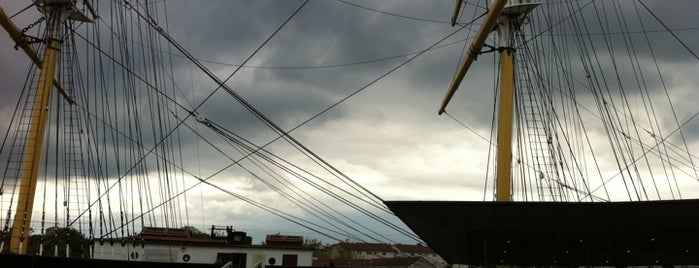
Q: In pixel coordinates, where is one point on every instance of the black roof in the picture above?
(557, 233)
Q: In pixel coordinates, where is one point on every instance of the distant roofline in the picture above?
(202, 242)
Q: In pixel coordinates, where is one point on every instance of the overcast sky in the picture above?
(388, 136)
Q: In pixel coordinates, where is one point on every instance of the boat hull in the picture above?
(557, 233)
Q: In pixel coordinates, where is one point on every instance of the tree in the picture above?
(5, 237)
(319, 250)
(59, 238)
(196, 232)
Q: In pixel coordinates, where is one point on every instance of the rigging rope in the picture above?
(183, 120)
(624, 128)
(243, 64)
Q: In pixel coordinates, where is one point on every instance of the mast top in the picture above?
(519, 7)
(72, 12)
(498, 8)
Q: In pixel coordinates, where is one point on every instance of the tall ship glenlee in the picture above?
(548, 208)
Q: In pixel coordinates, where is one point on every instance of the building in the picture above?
(179, 245)
(397, 262)
(367, 251)
(361, 251)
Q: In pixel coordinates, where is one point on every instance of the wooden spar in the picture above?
(502, 182)
(16, 35)
(457, 9)
(32, 156)
(487, 26)
(508, 20)
(56, 12)
(88, 4)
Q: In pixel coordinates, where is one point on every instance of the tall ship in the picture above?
(137, 120)
(548, 212)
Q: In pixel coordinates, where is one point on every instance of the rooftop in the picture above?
(385, 262)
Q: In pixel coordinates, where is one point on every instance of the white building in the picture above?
(366, 251)
(178, 245)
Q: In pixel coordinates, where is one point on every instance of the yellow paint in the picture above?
(486, 27)
(32, 157)
(505, 111)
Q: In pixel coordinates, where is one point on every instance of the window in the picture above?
(290, 260)
(237, 259)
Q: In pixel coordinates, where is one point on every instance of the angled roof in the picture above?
(369, 247)
(379, 262)
(557, 233)
(376, 247)
(413, 248)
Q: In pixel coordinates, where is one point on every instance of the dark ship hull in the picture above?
(557, 233)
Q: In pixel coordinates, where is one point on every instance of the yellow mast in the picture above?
(507, 15)
(35, 140)
(56, 13)
(505, 111)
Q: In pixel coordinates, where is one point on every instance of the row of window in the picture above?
(411, 254)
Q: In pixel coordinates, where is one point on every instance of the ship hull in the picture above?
(557, 233)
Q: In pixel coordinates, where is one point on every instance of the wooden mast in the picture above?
(507, 15)
(505, 113)
(56, 13)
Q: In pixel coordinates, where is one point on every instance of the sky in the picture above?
(354, 69)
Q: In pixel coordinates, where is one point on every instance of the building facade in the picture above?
(397, 262)
(368, 251)
(178, 246)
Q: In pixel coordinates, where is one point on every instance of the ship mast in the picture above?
(56, 13)
(506, 17)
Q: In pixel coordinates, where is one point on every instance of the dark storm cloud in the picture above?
(226, 30)
(328, 33)
(332, 33)
(389, 136)
(324, 33)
